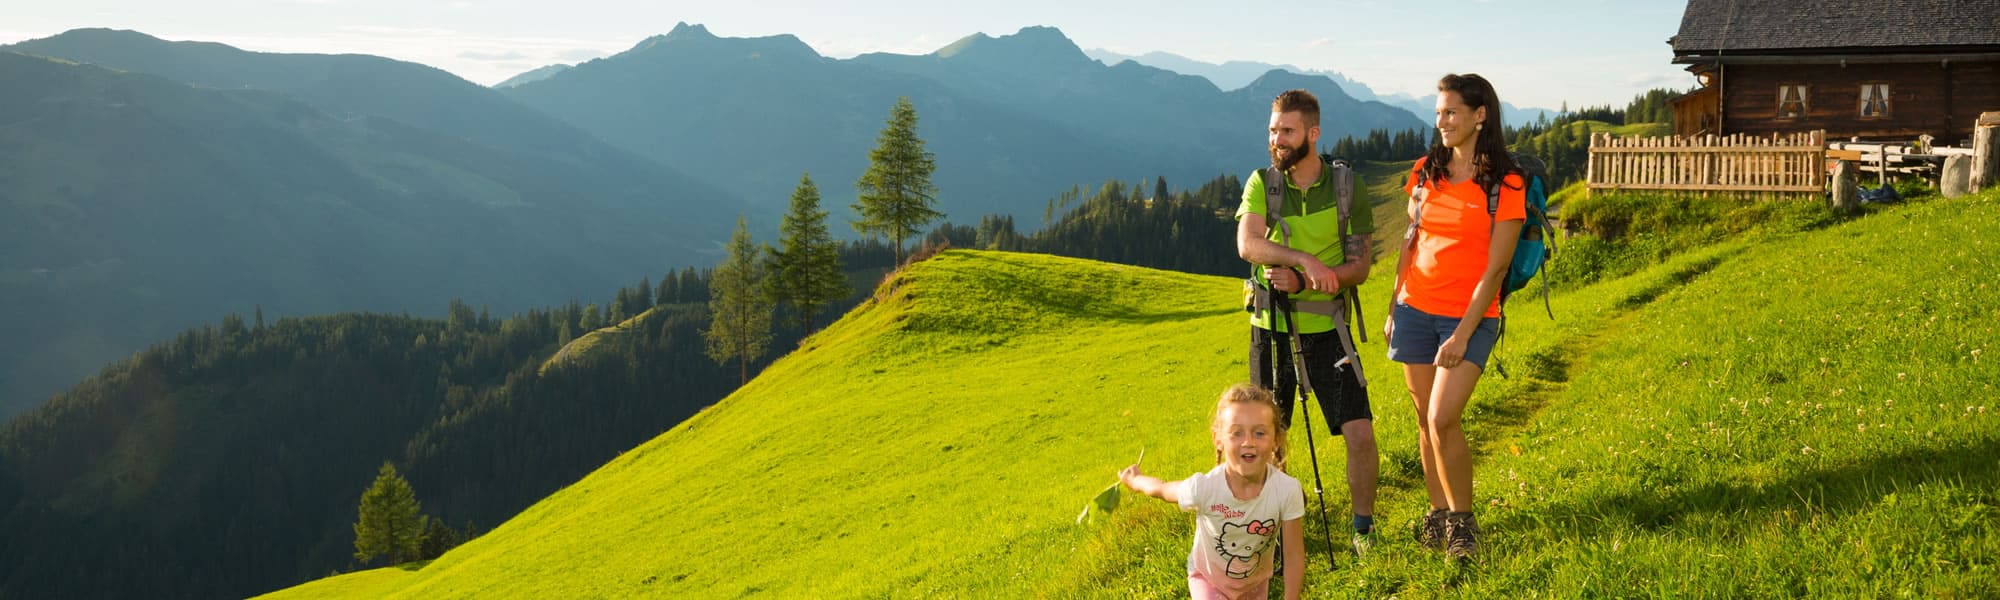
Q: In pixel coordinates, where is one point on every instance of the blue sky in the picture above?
(1539, 53)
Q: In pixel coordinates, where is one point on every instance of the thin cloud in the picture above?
(493, 56)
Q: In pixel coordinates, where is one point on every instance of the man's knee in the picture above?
(1360, 437)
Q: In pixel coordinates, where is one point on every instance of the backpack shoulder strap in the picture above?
(1274, 200)
(1343, 186)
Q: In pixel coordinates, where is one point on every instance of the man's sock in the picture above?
(1364, 524)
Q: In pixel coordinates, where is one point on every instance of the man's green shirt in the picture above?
(1314, 217)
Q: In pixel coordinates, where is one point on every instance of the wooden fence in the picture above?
(1778, 166)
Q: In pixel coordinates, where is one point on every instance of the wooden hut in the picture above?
(1884, 70)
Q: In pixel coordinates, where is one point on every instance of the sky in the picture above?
(1537, 53)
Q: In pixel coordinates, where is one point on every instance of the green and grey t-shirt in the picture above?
(1314, 217)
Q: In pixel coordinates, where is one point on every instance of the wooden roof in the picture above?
(1847, 26)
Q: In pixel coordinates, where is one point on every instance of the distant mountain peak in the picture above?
(685, 35)
(685, 30)
(1037, 42)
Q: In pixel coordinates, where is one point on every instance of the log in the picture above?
(1985, 152)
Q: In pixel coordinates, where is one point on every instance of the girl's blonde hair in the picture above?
(1251, 394)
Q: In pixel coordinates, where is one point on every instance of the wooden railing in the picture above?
(1781, 165)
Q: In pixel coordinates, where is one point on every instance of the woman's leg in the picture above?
(1419, 378)
(1449, 394)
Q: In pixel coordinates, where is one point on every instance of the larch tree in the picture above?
(805, 270)
(896, 197)
(740, 316)
(391, 522)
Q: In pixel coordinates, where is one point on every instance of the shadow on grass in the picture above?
(1837, 490)
(414, 566)
(1678, 278)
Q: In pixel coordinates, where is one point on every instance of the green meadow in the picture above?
(1796, 407)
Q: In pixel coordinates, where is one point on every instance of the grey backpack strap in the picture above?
(1343, 177)
(1274, 202)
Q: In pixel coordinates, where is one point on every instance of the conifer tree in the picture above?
(391, 523)
(806, 271)
(741, 318)
(896, 196)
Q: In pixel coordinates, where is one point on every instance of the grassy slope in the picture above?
(941, 441)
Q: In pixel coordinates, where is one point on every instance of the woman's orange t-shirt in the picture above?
(1453, 242)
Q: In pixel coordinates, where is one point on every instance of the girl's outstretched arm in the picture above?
(1149, 485)
(1294, 538)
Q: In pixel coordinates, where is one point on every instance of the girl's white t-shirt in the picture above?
(1235, 540)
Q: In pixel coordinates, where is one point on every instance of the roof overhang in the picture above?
(1856, 58)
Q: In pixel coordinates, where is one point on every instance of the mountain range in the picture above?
(1013, 120)
(142, 197)
(1237, 73)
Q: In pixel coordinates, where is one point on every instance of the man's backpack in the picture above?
(1538, 236)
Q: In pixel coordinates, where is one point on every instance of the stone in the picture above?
(1956, 178)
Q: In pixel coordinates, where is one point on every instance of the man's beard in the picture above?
(1287, 160)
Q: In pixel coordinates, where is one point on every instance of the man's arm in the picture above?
(1254, 248)
(1359, 250)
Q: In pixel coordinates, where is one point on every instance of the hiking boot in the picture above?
(1461, 534)
(1364, 543)
(1430, 531)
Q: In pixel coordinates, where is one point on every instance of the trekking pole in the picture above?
(1282, 304)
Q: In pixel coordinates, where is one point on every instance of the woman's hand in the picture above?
(1389, 326)
(1452, 352)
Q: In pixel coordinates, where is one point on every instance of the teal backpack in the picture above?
(1538, 240)
(1538, 236)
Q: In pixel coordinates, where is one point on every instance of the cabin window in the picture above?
(1793, 100)
(1875, 100)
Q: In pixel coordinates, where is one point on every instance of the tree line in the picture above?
(1563, 143)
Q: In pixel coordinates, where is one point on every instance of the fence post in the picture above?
(1985, 151)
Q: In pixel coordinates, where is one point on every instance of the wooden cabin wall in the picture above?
(1920, 104)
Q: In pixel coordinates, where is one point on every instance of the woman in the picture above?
(1444, 318)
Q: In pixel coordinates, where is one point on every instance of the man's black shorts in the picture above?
(1341, 397)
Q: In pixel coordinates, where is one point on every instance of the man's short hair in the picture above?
(1300, 101)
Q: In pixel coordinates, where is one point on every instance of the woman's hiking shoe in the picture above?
(1430, 531)
(1461, 534)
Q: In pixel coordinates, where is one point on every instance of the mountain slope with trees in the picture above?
(134, 206)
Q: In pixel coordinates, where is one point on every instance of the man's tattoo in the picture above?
(1356, 249)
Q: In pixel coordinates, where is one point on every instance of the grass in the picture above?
(1795, 413)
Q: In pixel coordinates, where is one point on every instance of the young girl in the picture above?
(1245, 507)
(1443, 322)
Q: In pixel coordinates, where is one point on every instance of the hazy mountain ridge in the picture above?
(136, 206)
(1013, 119)
(1237, 73)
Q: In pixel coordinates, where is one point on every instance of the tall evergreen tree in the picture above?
(806, 271)
(741, 325)
(391, 522)
(896, 194)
